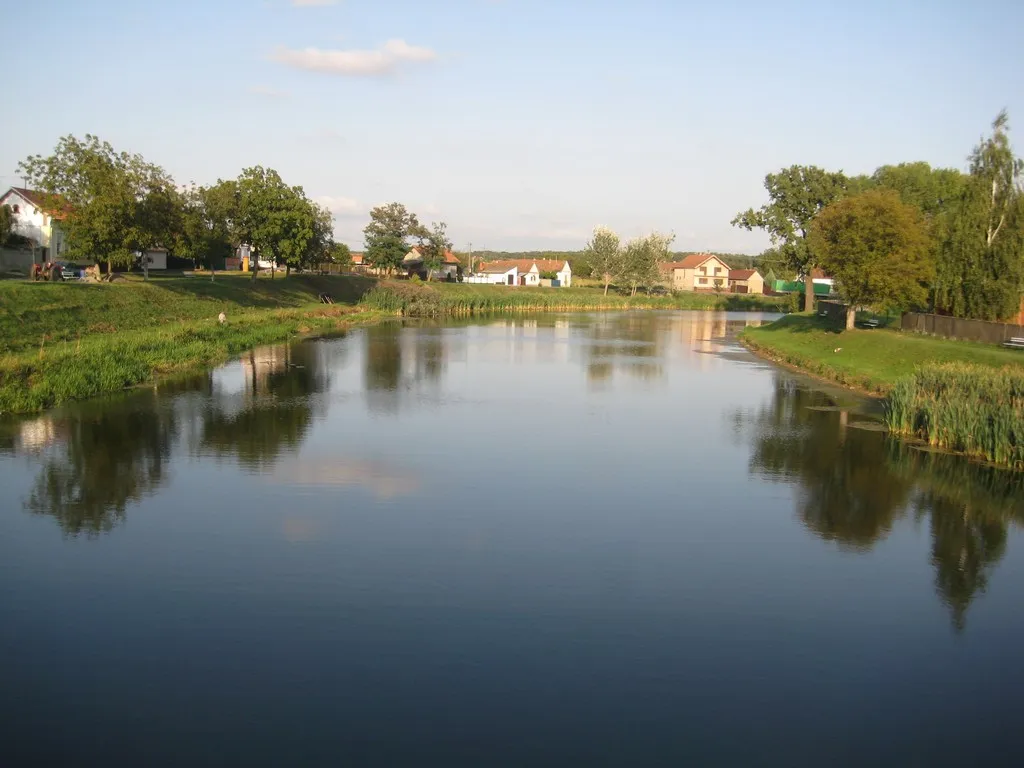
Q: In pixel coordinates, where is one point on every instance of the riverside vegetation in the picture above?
(955, 395)
(62, 342)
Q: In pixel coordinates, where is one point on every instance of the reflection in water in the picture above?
(383, 480)
(397, 364)
(106, 456)
(853, 484)
(275, 411)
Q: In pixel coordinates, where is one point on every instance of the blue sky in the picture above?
(521, 123)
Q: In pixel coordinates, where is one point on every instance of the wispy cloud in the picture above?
(354, 63)
(312, 3)
(266, 90)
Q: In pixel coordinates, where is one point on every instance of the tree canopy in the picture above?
(387, 235)
(795, 196)
(877, 248)
(604, 255)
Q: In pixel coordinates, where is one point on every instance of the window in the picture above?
(16, 208)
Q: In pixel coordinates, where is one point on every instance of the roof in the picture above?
(694, 260)
(742, 274)
(449, 257)
(40, 201)
(498, 267)
(525, 265)
(819, 274)
(357, 258)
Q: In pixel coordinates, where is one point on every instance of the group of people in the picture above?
(48, 272)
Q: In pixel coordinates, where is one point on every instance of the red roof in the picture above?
(42, 201)
(692, 261)
(525, 265)
(357, 258)
(449, 257)
(741, 274)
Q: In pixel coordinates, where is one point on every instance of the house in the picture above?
(697, 272)
(37, 220)
(449, 270)
(530, 272)
(497, 273)
(745, 281)
(818, 277)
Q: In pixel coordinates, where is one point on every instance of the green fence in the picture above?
(793, 286)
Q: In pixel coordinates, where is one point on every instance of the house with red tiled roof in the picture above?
(745, 281)
(697, 272)
(37, 219)
(529, 272)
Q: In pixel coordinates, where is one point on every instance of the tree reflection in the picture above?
(624, 342)
(853, 485)
(399, 360)
(274, 413)
(106, 457)
(842, 495)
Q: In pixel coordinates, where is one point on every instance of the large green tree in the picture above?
(6, 223)
(877, 248)
(604, 255)
(642, 259)
(981, 266)
(113, 203)
(795, 196)
(387, 235)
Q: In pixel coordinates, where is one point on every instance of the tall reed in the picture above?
(967, 408)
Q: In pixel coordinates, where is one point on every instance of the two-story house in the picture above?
(697, 272)
(36, 221)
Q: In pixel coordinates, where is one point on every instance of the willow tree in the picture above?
(877, 248)
(980, 266)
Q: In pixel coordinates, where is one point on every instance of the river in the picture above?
(612, 539)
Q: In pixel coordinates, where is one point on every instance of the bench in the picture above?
(1015, 343)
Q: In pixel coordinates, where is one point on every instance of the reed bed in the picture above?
(970, 409)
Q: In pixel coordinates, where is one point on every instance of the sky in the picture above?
(522, 124)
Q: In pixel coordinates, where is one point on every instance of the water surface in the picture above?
(555, 540)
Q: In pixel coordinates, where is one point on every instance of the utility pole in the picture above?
(471, 258)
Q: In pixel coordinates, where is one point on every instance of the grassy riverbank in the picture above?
(62, 342)
(869, 360)
(955, 395)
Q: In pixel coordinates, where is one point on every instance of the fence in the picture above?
(959, 328)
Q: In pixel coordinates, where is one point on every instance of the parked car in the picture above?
(69, 271)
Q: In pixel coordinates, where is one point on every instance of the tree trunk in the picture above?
(110, 269)
(809, 290)
(287, 269)
(607, 282)
(851, 316)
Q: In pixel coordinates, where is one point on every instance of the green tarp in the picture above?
(792, 286)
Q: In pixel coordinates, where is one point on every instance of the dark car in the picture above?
(68, 271)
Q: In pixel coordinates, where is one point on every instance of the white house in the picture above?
(36, 221)
(528, 272)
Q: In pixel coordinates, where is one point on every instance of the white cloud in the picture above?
(312, 3)
(266, 90)
(356, 63)
(342, 207)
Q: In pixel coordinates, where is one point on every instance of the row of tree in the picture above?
(115, 205)
(637, 264)
(908, 235)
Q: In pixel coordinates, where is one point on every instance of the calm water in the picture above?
(562, 540)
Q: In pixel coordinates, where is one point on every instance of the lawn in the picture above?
(871, 360)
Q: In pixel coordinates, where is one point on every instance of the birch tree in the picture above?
(604, 255)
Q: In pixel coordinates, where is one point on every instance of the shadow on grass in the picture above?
(802, 324)
(291, 291)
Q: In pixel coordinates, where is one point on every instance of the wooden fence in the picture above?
(959, 328)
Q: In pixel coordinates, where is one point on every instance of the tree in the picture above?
(341, 255)
(604, 255)
(642, 259)
(113, 203)
(277, 220)
(6, 223)
(205, 232)
(434, 246)
(796, 195)
(387, 235)
(877, 248)
(980, 268)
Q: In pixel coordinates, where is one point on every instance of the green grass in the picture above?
(965, 408)
(871, 360)
(48, 313)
